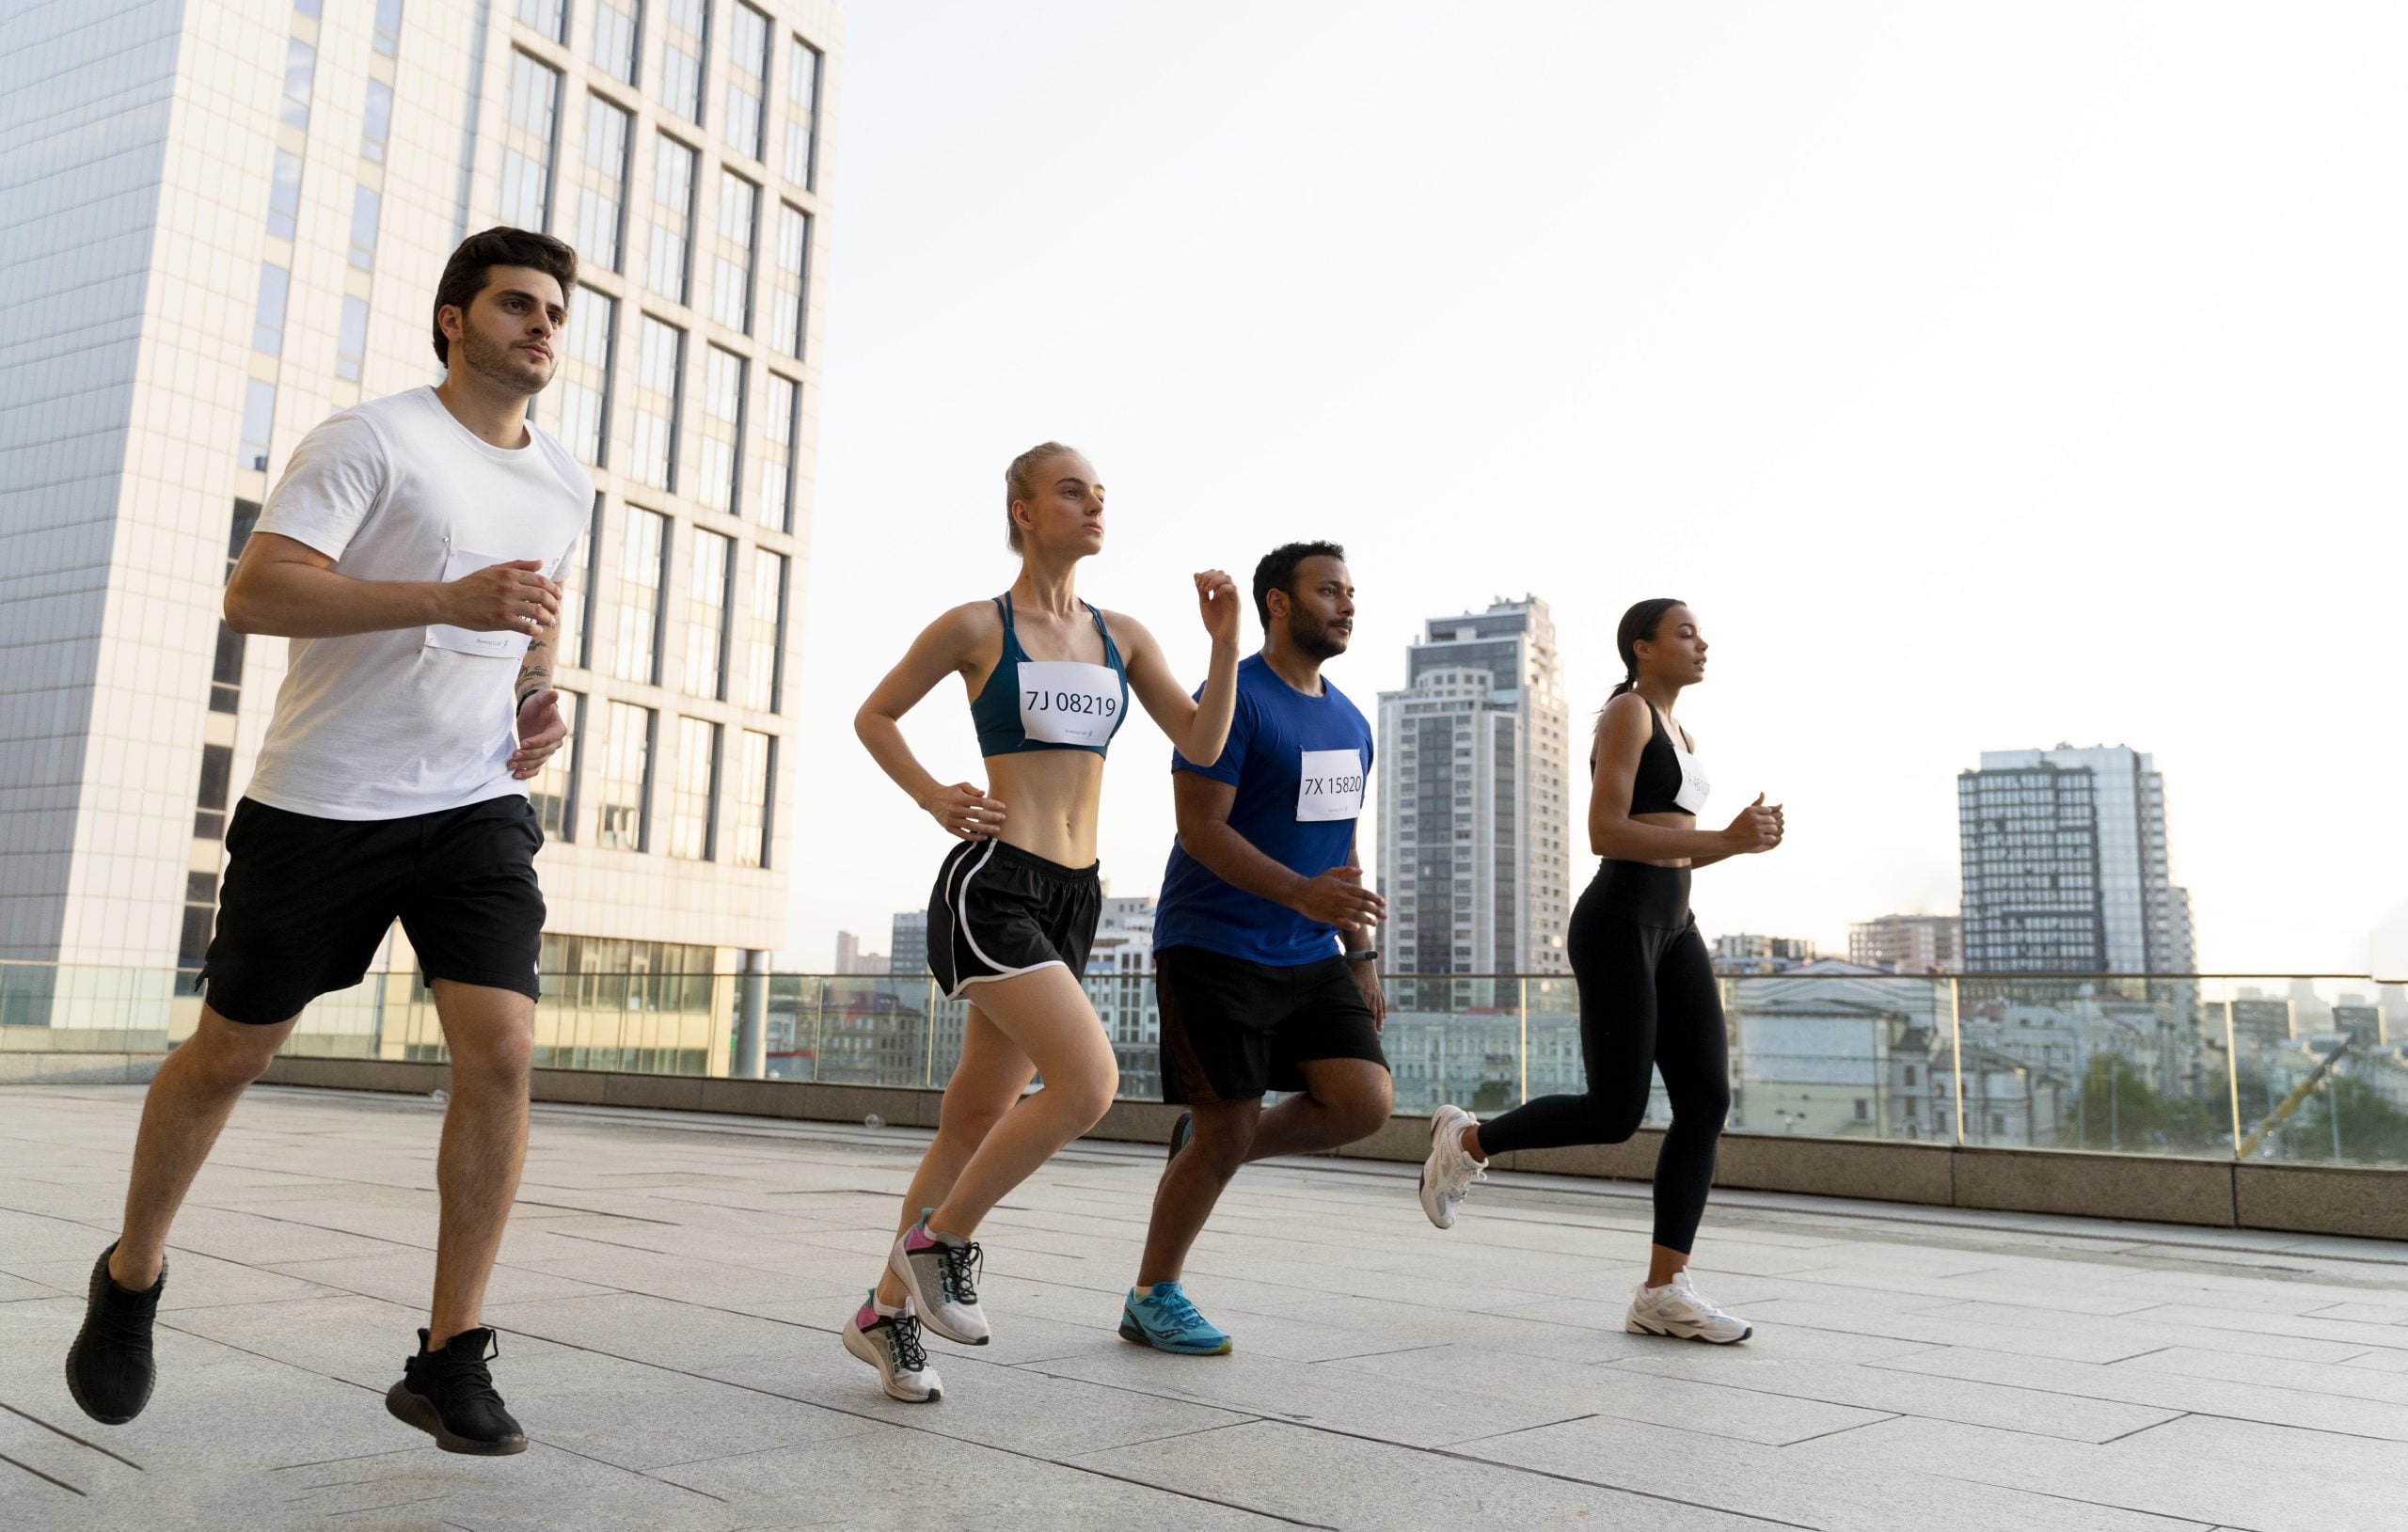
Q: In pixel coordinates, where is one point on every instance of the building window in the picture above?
(660, 357)
(723, 426)
(376, 126)
(706, 599)
(527, 144)
(615, 24)
(748, 73)
(201, 917)
(756, 778)
(351, 340)
(547, 17)
(388, 29)
(217, 781)
(553, 792)
(781, 407)
(366, 209)
(681, 58)
(627, 778)
(577, 593)
(259, 417)
(667, 263)
(584, 381)
(225, 674)
(643, 551)
(802, 112)
(765, 629)
(792, 277)
(267, 323)
(739, 204)
(689, 795)
(601, 202)
(300, 71)
(284, 196)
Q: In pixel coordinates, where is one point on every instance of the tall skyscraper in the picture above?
(1474, 849)
(907, 946)
(2064, 865)
(224, 220)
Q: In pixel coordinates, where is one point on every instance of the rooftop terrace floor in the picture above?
(672, 1287)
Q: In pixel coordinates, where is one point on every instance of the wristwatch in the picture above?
(1362, 954)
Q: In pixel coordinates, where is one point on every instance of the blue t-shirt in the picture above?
(1299, 765)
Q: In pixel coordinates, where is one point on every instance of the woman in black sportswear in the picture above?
(1648, 997)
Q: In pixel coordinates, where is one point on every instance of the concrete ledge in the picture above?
(2308, 1199)
(2145, 1188)
(2321, 1199)
(28, 1069)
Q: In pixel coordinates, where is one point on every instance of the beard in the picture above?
(1312, 636)
(501, 363)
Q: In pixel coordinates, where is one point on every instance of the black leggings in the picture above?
(1648, 1001)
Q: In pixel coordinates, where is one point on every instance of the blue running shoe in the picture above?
(1166, 1321)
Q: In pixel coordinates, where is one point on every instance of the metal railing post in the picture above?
(1526, 1039)
(1957, 1051)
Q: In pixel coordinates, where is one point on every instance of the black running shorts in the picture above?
(307, 900)
(998, 912)
(1233, 1030)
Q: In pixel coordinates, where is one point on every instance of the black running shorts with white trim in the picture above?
(307, 900)
(998, 912)
(1233, 1029)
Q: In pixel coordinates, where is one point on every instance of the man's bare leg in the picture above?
(189, 1100)
(491, 1036)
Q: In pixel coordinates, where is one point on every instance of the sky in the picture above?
(1985, 377)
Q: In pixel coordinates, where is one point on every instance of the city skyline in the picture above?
(2060, 447)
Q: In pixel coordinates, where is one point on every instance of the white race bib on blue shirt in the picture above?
(1330, 785)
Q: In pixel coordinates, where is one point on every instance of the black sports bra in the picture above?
(1669, 780)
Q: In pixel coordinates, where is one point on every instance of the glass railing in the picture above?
(2262, 1068)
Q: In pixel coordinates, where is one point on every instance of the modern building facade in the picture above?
(2066, 868)
(1908, 943)
(224, 221)
(1475, 794)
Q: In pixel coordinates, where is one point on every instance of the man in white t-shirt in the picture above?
(411, 553)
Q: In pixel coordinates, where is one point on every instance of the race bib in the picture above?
(1068, 701)
(502, 645)
(1691, 798)
(1330, 785)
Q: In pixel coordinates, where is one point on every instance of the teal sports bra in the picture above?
(1049, 704)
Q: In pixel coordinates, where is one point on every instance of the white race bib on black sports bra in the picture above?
(1068, 701)
(1694, 787)
(1330, 785)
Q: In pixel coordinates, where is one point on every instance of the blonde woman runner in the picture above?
(1013, 911)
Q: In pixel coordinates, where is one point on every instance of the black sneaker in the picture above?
(109, 1369)
(1178, 1132)
(449, 1396)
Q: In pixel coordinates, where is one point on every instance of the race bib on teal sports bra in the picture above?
(1068, 701)
(1329, 785)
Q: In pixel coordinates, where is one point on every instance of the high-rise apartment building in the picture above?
(224, 221)
(1475, 794)
(907, 946)
(1908, 943)
(2064, 865)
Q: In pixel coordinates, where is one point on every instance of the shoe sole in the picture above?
(858, 1344)
(74, 1388)
(1133, 1332)
(410, 1410)
(897, 1263)
(1637, 1328)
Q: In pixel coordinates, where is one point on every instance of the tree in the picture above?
(2119, 1109)
(2372, 1128)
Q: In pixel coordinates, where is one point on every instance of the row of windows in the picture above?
(714, 808)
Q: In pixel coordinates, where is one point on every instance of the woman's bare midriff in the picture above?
(1669, 819)
(1050, 801)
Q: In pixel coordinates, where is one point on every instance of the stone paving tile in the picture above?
(672, 1286)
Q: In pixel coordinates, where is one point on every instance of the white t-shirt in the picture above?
(417, 719)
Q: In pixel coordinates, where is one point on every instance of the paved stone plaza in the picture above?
(673, 1283)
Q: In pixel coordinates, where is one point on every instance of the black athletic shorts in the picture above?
(307, 900)
(1233, 1030)
(997, 911)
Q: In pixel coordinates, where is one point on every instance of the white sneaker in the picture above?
(1450, 1172)
(940, 1271)
(1678, 1309)
(890, 1343)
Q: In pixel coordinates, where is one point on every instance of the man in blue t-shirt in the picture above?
(1263, 891)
